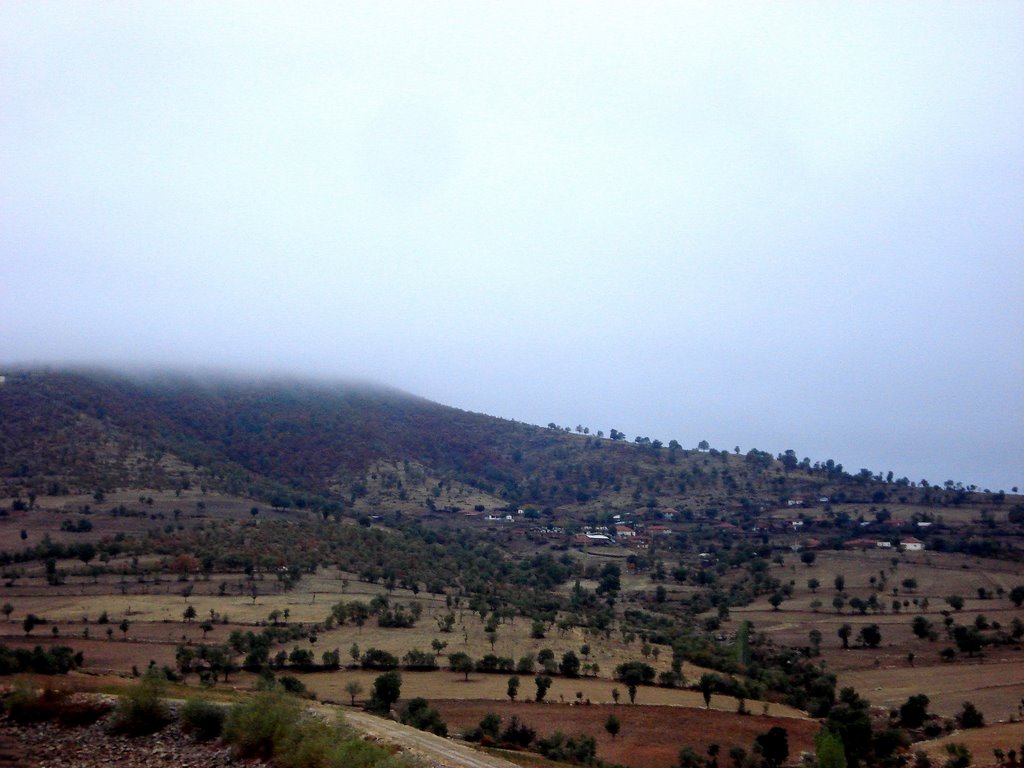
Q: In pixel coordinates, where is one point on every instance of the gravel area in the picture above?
(48, 745)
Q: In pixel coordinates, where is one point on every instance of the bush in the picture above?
(577, 749)
(257, 727)
(419, 714)
(374, 658)
(203, 719)
(272, 726)
(293, 685)
(141, 711)
(26, 704)
(356, 753)
(57, 660)
(970, 716)
(518, 733)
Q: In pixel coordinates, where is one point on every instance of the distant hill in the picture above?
(316, 444)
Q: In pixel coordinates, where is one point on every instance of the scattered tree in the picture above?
(613, 726)
(353, 688)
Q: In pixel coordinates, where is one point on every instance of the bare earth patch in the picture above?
(651, 736)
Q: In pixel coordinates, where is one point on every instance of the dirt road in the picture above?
(441, 752)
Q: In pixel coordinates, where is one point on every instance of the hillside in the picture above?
(216, 527)
(321, 445)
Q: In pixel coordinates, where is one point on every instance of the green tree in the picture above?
(690, 758)
(815, 638)
(353, 688)
(844, 633)
(460, 662)
(613, 726)
(968, 640)
(850, 721)
(386, 690)
(570, 664)
(921, 627)
(970, 716)
(490, 725)
(707, 684)
(959, 756)
(419, 714)
(513, 688)
(1017, 596)
(870, 635)
(8, 609)
(914, 712)
(828, 749)
(773, 746)
(543, 682)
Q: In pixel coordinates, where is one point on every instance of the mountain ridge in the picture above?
(315, 443)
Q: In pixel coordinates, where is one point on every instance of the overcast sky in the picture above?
(784, 225)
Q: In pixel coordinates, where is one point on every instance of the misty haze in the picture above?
(672, 348)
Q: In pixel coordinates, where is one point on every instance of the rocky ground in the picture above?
(48, 745)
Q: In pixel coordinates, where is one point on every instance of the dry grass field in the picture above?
(980, 741)
(154, 603)
(449, 685)
(884, 675)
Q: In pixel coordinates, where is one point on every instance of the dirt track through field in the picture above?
(442, 752)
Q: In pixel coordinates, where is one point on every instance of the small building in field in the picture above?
(911, 544)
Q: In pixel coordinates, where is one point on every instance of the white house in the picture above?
(910, 544)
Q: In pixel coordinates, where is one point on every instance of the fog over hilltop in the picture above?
(791, 226)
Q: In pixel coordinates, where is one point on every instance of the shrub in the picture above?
(355, 753)
(141, 711)
(256, 727)
(26, 704)
(518, 733)
(374, 658)
(293, 685)
(577, 749)
(970, 716)
(57, 660)
(272, 726)
(203, 719)
(419, 714)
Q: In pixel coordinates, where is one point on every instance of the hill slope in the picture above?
(317, 444)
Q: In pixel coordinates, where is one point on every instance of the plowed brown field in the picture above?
(651, 736)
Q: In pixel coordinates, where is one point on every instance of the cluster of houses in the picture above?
(623, 531)
(630, 530)
(907, 544)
